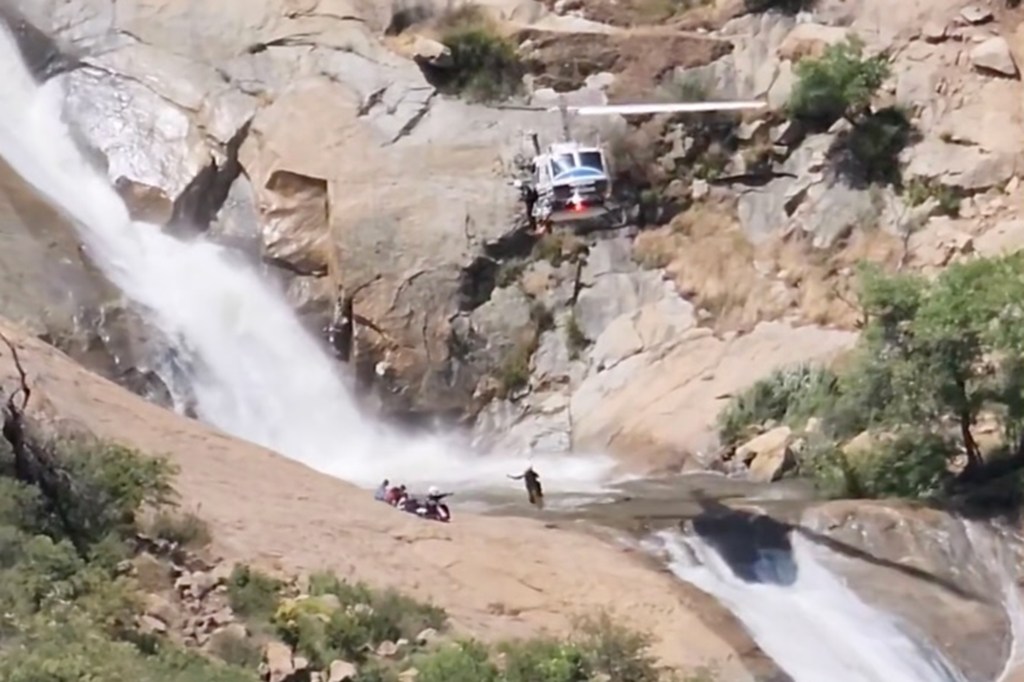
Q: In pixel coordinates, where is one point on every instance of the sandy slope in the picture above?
(268, 509)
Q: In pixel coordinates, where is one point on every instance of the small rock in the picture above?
(975, 14)
(810, 40)
(152, 624)
(700, 189)
(600, 81)
(222, 617)
(433, 52)
(221, 573)
(933, 31)
(160, 607)
(233, 631)
(278, 659)
(341, 671)
(994, 55)
(747, 131)
(300, 663)
(328, 602)
(426, 637)
(1013, 185)
(409, 675)
(387, 649)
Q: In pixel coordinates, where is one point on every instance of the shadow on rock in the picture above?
(756, 546)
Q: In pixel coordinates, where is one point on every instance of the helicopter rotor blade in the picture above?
(678, 107)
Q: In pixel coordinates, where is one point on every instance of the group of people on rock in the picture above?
(398, 496)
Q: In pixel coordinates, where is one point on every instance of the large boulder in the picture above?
(769, 455)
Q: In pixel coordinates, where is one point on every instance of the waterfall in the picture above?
(810, 623)
(254, 371)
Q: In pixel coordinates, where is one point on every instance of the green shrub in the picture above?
(614, 650)
(253, 594)
(918, 191)
(67, 614)
(575, 339)
(187, 530)
(913, 465)
(839, 84)
(544, 660)
(514, 371)
(485, 66)
(359, 619)
(466, 661)
(787, 395)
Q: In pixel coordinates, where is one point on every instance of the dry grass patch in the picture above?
(713, 264)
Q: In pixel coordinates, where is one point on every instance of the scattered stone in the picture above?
(427, 637)
(432, 52)
(810, 40)
(161, 608)
(387, 649)
(934, 31)
(700, 189)
(975, 14)
(409, 675)
(994, 55)
(341, 671)
(278, 660)
(233, 631)
(221, 617)
(152, 624)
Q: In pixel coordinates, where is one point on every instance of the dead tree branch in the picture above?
(34, 463)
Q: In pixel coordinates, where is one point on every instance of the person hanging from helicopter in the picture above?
(533, 488)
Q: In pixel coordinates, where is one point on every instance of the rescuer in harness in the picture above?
(533, 487)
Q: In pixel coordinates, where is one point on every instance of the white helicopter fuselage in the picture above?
(572, 182)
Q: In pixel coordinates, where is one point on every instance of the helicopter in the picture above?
(570, 182)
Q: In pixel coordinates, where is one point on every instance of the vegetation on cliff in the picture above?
(485, 65)
(938, 360)
(70, 612)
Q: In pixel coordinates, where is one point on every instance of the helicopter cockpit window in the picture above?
(563, 163)
(592, 160)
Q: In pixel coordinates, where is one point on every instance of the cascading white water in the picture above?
(802, 616)
(254, 370)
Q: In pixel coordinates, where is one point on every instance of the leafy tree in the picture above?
(934, 354)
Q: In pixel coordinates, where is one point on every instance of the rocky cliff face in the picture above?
(309, 135)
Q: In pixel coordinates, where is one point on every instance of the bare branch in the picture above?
(23, 388)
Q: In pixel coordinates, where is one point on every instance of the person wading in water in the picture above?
(533, 488)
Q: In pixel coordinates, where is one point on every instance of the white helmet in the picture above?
(433, 491)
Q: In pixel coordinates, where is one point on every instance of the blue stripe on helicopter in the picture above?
(582, 173)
